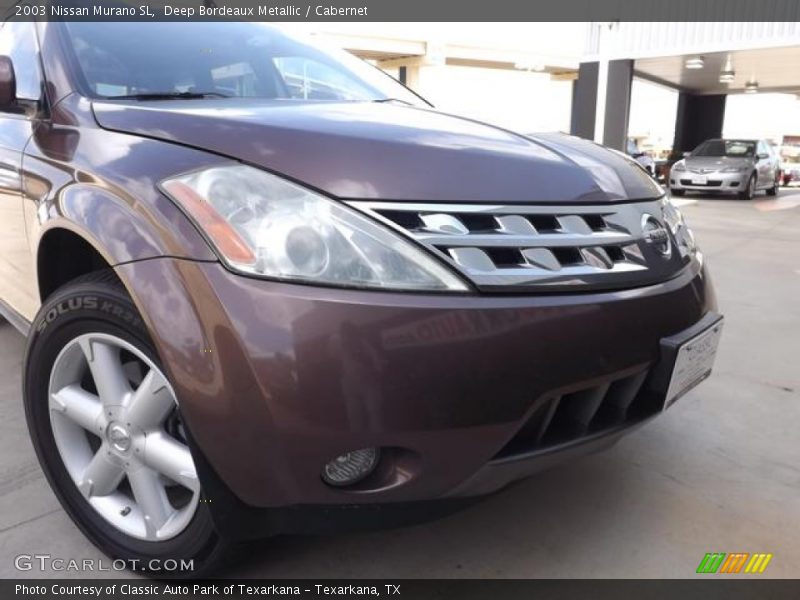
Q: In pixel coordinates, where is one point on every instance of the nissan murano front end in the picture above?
(267, 289)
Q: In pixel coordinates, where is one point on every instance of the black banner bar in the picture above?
(404, 10)
(712, 588)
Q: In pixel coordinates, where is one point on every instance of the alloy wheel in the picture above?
(118, 431)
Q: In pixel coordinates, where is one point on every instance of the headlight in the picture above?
(679, 228)
(679, 166)
(263, 225)
(734, 169)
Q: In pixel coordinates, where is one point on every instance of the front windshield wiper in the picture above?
(168, 96)
(383, 100)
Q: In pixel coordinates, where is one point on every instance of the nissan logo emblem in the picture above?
(656, 235)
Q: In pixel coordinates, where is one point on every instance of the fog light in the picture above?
(351, 467)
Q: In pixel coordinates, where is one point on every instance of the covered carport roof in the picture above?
(765, 52)
(774, 69)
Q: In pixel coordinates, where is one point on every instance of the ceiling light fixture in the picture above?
(727, 76)
(695, 63)
(751, 87)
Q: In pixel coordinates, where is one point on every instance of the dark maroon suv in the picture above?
(268, 289)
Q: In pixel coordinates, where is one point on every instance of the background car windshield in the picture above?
(732, 148)
(246, 60)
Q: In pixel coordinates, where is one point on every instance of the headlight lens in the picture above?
(264, 225)
(679, 228)
(733, 169)
(679, 166)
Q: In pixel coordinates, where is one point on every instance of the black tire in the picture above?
(750, 190)
(773, 191)
(98, 303)
(678, 192)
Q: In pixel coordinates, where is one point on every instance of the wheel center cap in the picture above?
(118, 437)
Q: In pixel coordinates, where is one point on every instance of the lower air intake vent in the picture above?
(569, 417)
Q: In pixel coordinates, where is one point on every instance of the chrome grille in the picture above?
(515, 247)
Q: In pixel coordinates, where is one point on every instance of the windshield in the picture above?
(243, 60)
(731, 148)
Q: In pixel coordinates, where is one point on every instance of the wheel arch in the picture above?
(63, 255)
(89, 227)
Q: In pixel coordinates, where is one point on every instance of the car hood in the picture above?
(388, 151)
(714, 163)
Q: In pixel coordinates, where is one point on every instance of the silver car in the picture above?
(732, 166)
(647, 162)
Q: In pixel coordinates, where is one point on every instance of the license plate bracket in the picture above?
(686, 359)
(693, 363)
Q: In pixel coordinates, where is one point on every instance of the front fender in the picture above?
(212, 376)
(103, 185)
(122, 230)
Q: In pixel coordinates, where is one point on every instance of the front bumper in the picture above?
(715, 182)
(275, 380)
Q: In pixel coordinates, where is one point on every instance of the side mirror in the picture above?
(8, 83)
(685, 154)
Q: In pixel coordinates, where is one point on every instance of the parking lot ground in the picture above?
(718, 472)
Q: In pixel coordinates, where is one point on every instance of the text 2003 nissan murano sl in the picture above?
(268, 289)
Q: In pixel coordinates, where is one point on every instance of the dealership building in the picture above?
(579, 77)
(703, 62)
